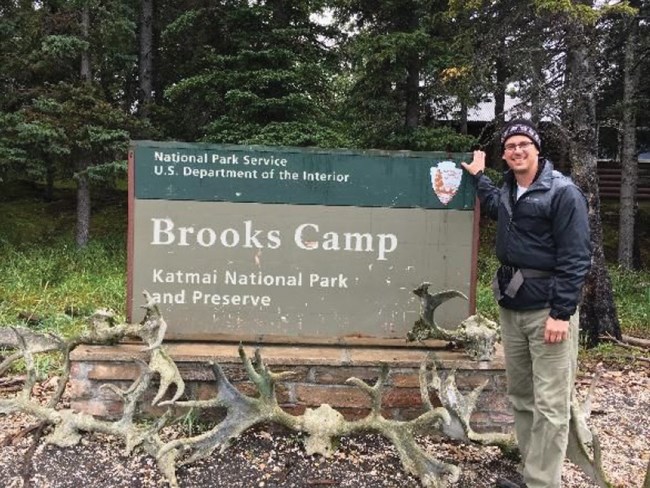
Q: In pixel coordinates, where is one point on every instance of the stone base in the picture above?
(319, 377)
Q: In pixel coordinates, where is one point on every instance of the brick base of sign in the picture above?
(319, 374)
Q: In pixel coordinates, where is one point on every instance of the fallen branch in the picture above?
(639, 358)
(20, 434)
(636, 341)
(26, 472)
(11, 382)
(626, 345)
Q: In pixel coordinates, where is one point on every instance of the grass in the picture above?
(56, 284)
(45, 281)
(49, 284)
(632, 297)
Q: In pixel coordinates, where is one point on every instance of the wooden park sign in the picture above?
(273, 243)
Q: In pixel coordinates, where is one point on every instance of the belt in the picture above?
(517, 280)
(535, 273)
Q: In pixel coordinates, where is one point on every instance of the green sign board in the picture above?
(276, 242)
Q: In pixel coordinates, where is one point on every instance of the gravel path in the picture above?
(269, 457)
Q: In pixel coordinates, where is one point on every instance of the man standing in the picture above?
(543, 245)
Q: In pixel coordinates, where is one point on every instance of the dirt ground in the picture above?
(269, 457)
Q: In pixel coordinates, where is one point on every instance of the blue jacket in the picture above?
(546, 229)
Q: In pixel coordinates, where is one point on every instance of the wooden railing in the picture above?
(609, 176)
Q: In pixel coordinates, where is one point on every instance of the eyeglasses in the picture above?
(522, 145)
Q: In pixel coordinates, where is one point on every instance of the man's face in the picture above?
(521, 154)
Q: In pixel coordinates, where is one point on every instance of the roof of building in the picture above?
(484, 110)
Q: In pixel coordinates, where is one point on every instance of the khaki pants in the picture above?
(540, 381)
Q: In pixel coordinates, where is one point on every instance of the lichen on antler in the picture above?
(321, 425)
(165, 366)
(69, 425)
(432, 472)
(476, 333)
(460, 408)
(426, 327)
(154, 327)
(242, 412)
(136, 435)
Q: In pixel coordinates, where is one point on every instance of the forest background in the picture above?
(79, 79)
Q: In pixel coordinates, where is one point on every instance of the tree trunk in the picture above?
(49, 180)
(598, 310)
(629, 164)
(501, 84)
(412, 118)
(412, 84)
(85, 54)
(83, 187)
(537, 77)
(463, 118)
(499, 106)
(82, 231)
(146, 58)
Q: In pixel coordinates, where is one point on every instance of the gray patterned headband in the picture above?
(524, 130)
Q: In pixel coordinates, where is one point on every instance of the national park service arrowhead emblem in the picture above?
(445, 180)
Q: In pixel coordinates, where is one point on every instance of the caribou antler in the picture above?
(477, 334)
(432, 473)
(69, 425)
(427, 328)
(582, 439)
(242, 412)
(460, 408)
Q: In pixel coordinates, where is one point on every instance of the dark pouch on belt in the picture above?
(507, 282)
